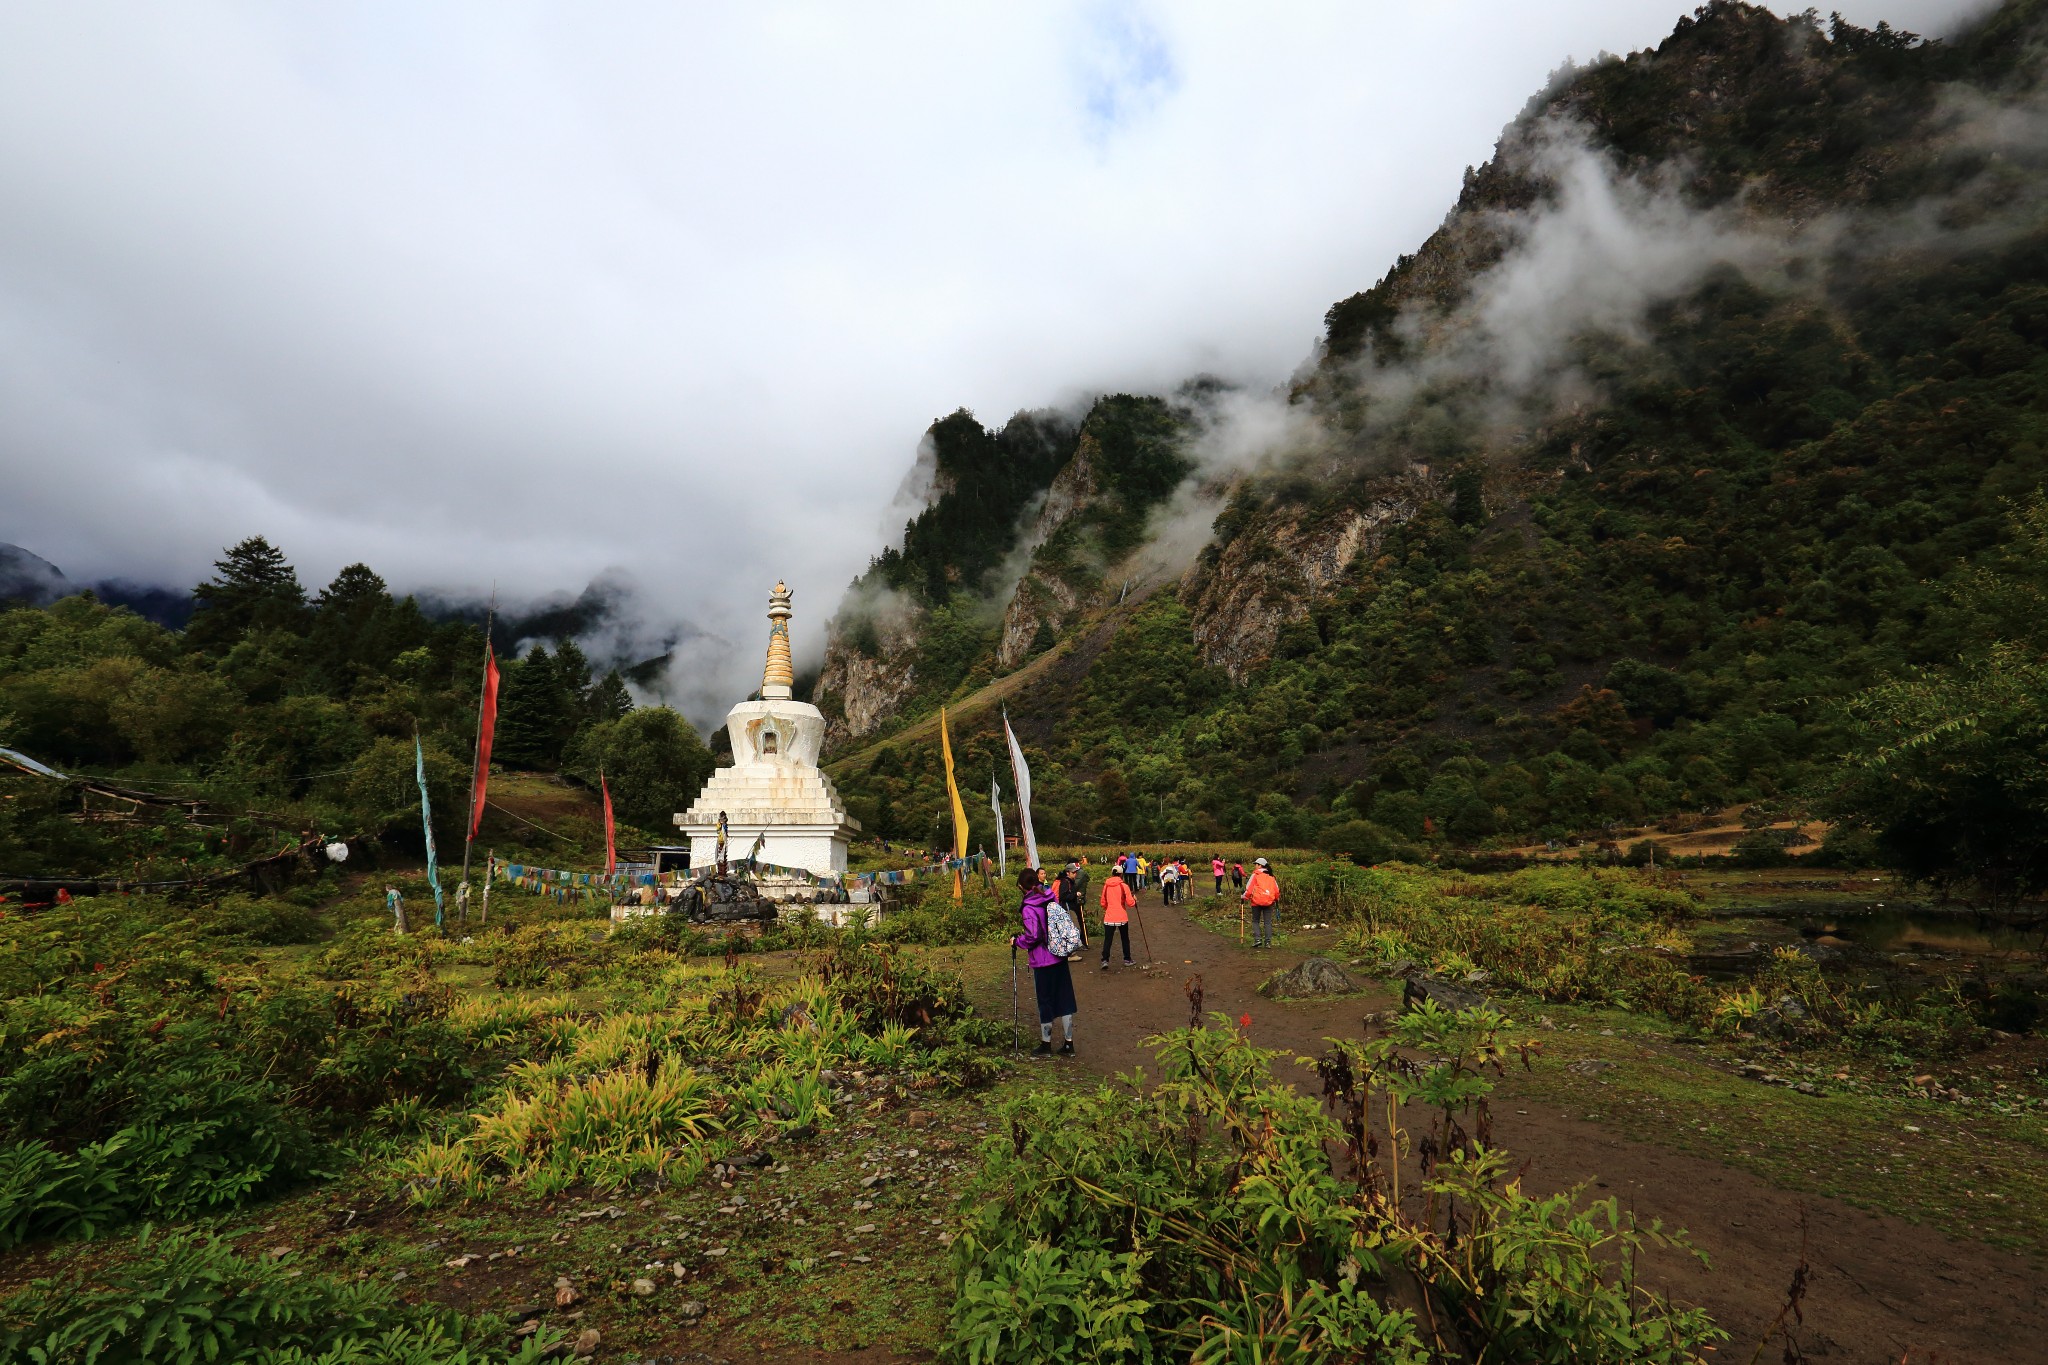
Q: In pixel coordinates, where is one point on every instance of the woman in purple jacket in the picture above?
(1049, 973)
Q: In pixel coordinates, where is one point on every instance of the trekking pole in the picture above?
(1015, 1046)
(1142, 935)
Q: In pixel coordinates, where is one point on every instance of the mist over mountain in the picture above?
(1670, 438)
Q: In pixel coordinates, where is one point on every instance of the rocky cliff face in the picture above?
(865, 682)
(1273, 572)
(1047, 598)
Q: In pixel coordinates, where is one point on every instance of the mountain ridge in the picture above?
(1501, 572)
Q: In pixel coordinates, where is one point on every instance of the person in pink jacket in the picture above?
(1051, 978)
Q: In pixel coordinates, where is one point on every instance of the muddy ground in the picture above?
(1880, 1289)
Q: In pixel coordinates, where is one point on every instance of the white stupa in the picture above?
(774, 791)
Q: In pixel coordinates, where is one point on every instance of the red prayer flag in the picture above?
(486, 724)
(611, 853)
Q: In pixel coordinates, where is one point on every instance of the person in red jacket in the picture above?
(1117, 900)
(1262, 893)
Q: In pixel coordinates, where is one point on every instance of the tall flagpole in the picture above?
(477, 750)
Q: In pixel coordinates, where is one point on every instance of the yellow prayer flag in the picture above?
(953, 793)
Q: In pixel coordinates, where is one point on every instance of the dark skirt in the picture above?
(1055, 987)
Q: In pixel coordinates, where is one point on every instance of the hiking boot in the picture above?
(1105, 964)
(1067, 1048)
(1127, 963)
(1041, 1052)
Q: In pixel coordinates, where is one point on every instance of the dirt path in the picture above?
(1880, 1288)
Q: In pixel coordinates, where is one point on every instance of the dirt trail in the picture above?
(1880, 1289)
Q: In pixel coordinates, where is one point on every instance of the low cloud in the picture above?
(509, 294)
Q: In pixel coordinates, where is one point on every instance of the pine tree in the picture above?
(535, 718)
(609, 699)
(573, 670)
(350, 623)
(253, 588)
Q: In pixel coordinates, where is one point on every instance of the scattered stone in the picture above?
(459, 1262)
(715, 1251)
(1751, 1070)
(398, 1275)
(1315, 976)
(1590, 1066)
(586, 1341)
(865, 1227)
(279, 1253)
(565, 1294)
(1807, 1088)
(642, 1288)
(527, 1328)
(862, 1259)
(917, 1118)
(1442, 994)
(868, 1181)
(690, 1310)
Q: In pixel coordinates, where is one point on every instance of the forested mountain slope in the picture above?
(1682, 429)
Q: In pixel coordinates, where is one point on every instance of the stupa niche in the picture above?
(774, 791)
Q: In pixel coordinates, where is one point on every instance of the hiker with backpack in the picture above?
(1262, 893)
(1049, 938)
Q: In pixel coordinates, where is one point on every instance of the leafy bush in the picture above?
(1560, 933)
(191, 1298)
(144, 1076)
(1204, 1219)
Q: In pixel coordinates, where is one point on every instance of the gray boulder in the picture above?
(1316, 976)
(1443, 994)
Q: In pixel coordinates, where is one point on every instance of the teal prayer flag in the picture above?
(419, 768)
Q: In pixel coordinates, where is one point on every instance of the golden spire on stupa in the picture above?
(777, 676)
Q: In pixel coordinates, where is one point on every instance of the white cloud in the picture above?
(481, 292)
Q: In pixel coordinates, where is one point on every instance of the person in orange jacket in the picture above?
(1262, 893)
(1117, 900)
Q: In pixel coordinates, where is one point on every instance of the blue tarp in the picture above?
(21, 760)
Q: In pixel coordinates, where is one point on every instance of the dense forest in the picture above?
(1671, 570)
(277, 711)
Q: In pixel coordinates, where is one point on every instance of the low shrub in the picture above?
(1563, 934)
(1204, 1219)
(190, 1297)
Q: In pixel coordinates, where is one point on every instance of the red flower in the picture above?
(1244, 1021)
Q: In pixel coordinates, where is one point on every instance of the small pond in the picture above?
(1903, 934)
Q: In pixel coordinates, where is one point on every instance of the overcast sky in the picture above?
(524, 292)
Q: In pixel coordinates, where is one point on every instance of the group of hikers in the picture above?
(1053, 916)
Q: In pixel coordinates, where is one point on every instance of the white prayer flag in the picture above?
(995, 803)
(1020, 772)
